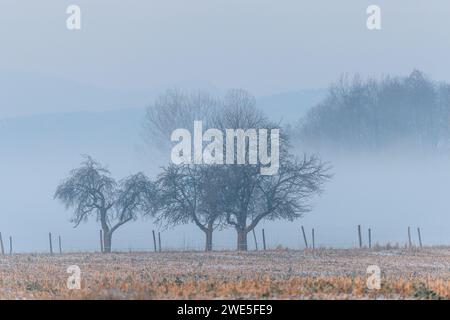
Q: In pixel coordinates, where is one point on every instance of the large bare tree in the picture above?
(251, 197)
(91, 191)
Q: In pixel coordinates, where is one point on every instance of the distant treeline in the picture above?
(374, 114)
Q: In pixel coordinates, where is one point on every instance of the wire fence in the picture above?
(256, 241)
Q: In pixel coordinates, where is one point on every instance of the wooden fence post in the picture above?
(304, 237)
(420, 237)
(159, 241)
(409, 238)
(1, 244)
(59, 243)
(264, 239)
(101, 241)
(50, 242)
(154, 239)
(10, 245)
(254, 237)
(359, 236)
(313, 239)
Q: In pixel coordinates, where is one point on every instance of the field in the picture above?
(278, 274)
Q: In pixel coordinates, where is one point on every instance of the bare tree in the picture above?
(252, 197)
(90, 190)
(191, 193)
(184, 195)
(176, 109)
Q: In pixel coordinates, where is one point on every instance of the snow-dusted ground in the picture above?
(285, 274)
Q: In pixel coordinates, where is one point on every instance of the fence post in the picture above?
(1, 244)
(254, 237)
(101, 241)
(10, 244)
(313, 239)
(420, 238)
(304, 237)
(154, 239)
(359, 236)
(50, 242)
(264, 239)
(409, 238)
(159, 241)
(370, 239)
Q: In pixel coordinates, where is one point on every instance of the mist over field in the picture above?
(40, 150)
(386, 191)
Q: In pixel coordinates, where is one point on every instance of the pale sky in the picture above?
(264, 46)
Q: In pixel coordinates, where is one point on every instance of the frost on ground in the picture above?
(280, 274)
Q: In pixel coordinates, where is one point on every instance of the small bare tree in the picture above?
(186, 192)
(90, 190)
(191, 193)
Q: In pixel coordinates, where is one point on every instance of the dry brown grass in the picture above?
(280, 274)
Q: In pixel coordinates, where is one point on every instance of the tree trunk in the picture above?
(208, 230)
(241, 240)
(209, 235)
(107, 238)
(107, 234)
